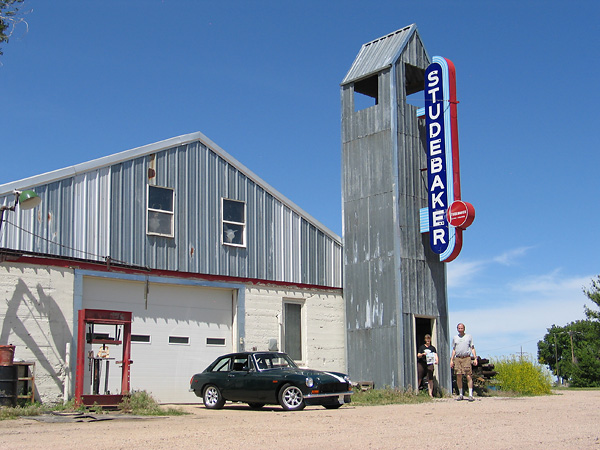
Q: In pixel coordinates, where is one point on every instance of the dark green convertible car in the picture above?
(261, 378)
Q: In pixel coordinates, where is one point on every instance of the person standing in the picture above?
(426, 358)
(460, 361)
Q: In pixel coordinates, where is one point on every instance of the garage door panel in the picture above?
(181, 324)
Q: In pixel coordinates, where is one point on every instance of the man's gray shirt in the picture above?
(462, 345)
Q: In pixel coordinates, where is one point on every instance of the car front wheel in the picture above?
(213, 399)
(291, 398)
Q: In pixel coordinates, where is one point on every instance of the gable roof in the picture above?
(126, 155)
(379, 54)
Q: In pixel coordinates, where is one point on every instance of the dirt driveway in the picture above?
(568, 420)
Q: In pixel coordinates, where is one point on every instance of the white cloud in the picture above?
(509, 257)
(461, 273)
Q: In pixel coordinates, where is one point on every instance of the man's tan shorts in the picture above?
(463, 366)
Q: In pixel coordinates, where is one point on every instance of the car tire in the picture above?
(212, 397)
(254, 405)
(291, 398)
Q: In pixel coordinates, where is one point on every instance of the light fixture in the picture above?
(28, 200)
(25, 199)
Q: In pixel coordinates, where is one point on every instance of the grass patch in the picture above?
(388, 396)
(9, 413)
(139, 403)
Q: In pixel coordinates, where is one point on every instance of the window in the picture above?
(215, 341)
(366, 93)
(183, 340)
(140, 338)
(233, 215)
(222, 365)
(292, 330)
(160, 211)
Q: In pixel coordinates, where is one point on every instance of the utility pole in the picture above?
(572, 352)
(556, 359)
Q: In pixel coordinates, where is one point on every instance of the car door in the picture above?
(264, 380)
(240, 386)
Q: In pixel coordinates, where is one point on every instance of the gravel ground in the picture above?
(567, 420)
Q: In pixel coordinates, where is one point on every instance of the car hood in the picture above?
(323, 377)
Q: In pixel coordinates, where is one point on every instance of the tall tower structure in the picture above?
(394, 285)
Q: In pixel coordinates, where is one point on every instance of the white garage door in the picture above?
(177, 330)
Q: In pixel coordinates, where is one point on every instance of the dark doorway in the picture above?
(423, 326)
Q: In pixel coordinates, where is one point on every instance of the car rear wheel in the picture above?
(213, 399)
(291, 398)
(256, 405)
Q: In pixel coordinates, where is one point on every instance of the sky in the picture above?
(86, 79)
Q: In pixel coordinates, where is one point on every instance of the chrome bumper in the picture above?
(329, 394)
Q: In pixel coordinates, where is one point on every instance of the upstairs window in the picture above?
(160, 211)
(233, 218)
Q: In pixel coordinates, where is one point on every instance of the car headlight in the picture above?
(309, 382)
(347, 378)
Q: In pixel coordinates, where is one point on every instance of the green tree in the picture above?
(573, 352)
(9, 10)
(594, 295)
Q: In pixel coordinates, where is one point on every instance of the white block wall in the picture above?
(323, 323)
(36, 316)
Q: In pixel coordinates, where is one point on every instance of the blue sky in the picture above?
(261, 79)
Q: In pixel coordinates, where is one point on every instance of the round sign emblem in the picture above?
(460, 214)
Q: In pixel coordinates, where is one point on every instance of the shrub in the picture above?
(143, 404)
(522, 376)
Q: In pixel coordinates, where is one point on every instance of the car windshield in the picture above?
(268, 361)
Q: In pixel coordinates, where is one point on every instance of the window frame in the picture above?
(243, 224)
(160, 211)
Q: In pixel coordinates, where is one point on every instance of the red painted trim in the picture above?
(458, 241)
(454, 129)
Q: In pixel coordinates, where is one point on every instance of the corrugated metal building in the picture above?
(207, 256)
(394, 285)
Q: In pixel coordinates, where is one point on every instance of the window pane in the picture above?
(222, 365)
(160, 223)
(233, 211)
(179, 340)
(233, 234)
(160, 198)
(293, 330)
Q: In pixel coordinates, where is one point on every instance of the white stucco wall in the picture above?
(36, 316)
(323, 329)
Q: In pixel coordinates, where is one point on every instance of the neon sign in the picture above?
(447, 214)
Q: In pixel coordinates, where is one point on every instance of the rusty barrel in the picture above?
(8, 376)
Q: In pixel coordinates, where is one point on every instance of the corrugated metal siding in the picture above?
(390, 275)
(102, 213)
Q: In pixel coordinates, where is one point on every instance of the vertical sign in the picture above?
(445, 237)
